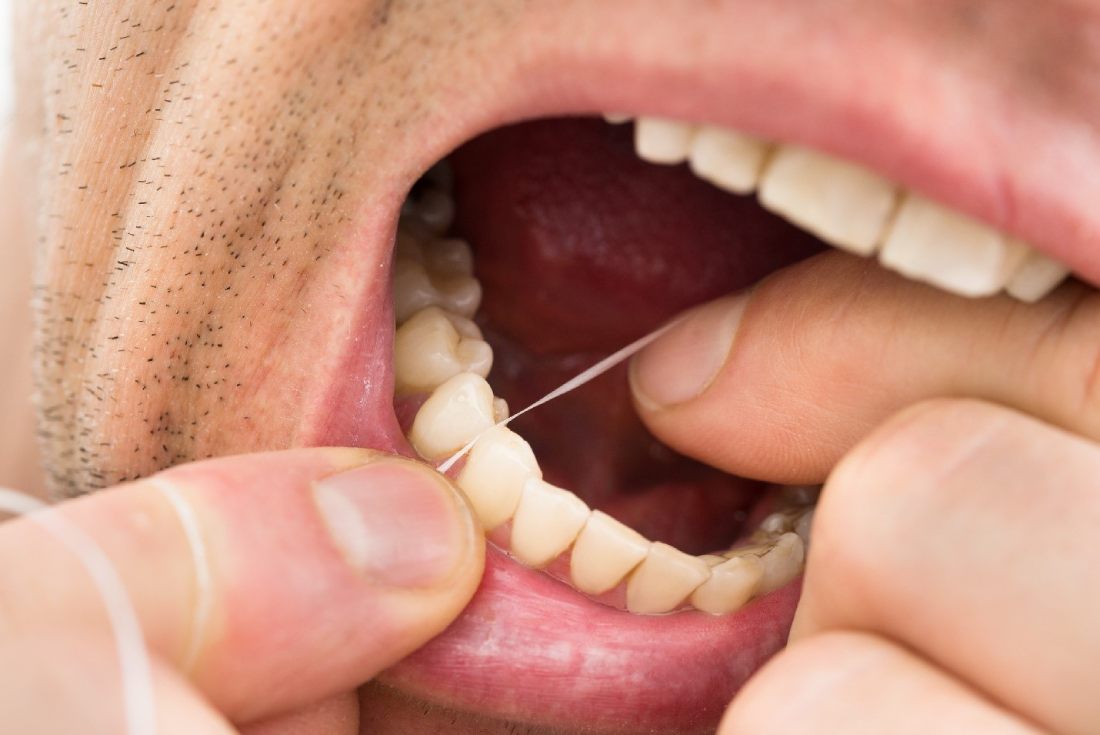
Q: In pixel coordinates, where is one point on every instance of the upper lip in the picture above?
(925, 113)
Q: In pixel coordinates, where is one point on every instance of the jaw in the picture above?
(268, 322)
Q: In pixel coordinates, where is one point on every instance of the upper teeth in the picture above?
(854, 209)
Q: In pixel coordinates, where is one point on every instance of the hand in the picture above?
(953, 579)
(268, 587)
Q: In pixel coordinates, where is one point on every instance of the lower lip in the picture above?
(531, 650)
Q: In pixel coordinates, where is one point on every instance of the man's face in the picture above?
(217, 187)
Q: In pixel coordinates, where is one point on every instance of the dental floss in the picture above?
(190, 524)
(588, 375)
(137, 680)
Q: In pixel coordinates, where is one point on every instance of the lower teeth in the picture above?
(439, 351)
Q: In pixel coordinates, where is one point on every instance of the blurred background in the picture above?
(18, 464)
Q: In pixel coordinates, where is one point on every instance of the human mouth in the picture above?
(575, 603)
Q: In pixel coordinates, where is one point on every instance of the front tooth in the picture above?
(662, 141)
(500, 410)
(415, 288)
(496, 470)
(931, 243)
(732, 583)
(605, 552)
(547, 520)
(728, 159)
(1037, 276)
(781, 563)
(617, 118)
(453, 415)
(434, 346)
(664, 580)
(843, 204)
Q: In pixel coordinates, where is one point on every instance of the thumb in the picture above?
(780, 382)
(271, 581)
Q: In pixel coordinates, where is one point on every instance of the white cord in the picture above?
(199, 558)
(572, 384)
(139, 705)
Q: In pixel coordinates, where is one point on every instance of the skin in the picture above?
(197, 250)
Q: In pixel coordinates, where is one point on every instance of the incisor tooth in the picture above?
(843, 204)
(662, 141)
(434, 346)
(605, 552)
(728, 159)
(781, 563)
(1037, 276)
(496, 470)
(547, 520)
(731, 584)
(931, 243)
(415, 288)
(454, 414)
(664, 580)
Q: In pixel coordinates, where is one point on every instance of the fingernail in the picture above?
(397, 522)
(684, 362)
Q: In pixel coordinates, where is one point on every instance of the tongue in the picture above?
(580, 248)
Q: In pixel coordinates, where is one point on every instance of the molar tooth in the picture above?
(547, 520)
(732, 583)
(605, 552)
(931, 243)
(451, 256)
(664, 580)
(415, 288)
(1036, 277)
(453, 415)
(496, 470)
(781, 563)
(435, 208)
(802, 527)
(842, 203)
(728, 159)
(662, 141)
(434, 346)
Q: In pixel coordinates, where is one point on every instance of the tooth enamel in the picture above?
(415, 288)
(500, 410)
(451, 256)
(616, 118)
(547, 520)
(434, 346)
(1036, 277)
(496, 470)
(728, 159)
(931, 243)
(664, 580)
(605, 552)
(802, 527)
(731, 584)
(781, 563)
(662, 141)
(435, 208)
(843, 204)
(454, 414)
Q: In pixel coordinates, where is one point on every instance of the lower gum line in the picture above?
(439, 351)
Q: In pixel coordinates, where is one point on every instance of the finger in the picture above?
(337, 715)
(969, 533)
(859, 684)
(827, 349)
(63, 684)
(272, 580)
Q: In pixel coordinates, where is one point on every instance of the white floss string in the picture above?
(588, 375)
(190, 523)
(137, 680)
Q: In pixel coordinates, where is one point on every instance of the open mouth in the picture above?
(628, 588)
